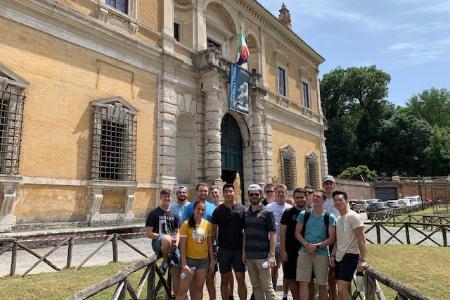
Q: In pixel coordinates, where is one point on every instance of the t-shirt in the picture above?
(178, 209)
(257, 226)
(345, 236)
(189, 211)
(231, 223)
(278, 211)
(196, 239)
(289, 219)
(315, 231)
(163, 222)
(329, 207)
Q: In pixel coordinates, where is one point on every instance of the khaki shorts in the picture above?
(306, 264)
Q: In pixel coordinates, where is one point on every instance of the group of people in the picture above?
(317, 239)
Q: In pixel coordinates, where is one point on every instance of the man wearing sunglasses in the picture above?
(269, 193)
(259, 245)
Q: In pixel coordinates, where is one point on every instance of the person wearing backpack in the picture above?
(315, 230)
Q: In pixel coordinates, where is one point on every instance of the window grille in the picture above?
(312, 170)
(120, 5)
(114, 142)
(11, 117)
(288, 167)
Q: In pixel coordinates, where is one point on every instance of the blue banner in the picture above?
(239, 82)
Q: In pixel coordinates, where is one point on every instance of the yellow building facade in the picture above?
(105, 102)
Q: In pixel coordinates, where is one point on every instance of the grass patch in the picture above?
(420, 267)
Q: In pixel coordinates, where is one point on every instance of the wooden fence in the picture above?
(121, 279)
(371, 276)
(396, 233)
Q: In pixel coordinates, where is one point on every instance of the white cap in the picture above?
(254, 187)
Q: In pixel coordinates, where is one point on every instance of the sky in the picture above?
(408, 39)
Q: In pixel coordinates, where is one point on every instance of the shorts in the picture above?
(156, 245)
(345, 269)
(290, 267)
(201, 264)
(307, 264)
(228, 259)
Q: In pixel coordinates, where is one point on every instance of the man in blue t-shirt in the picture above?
(315, 230)
(202, 193)
(179, 206)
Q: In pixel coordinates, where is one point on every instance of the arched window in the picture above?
(312, 170)
(114, 140)
(185, 158)
(288, 167)
(11, 115)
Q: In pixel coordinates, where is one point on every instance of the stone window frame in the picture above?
(306, 100)
(286, 86)
(288, 167)
(126, 21)
(12, 91)
(312, 170)
(115, 110)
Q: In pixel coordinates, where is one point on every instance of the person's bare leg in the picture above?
(323, 292)
(304, 290)
(285, 287)
(211, 285)
(183, 287)
(231, 284)
(175, 273)
(312, 290)
(343, 290)
(166, 242)
(274, 275)
(225, 285)
(332, 284)
(242, 287)
(294, 287)
(198, 283)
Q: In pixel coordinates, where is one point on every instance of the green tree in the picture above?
(432, 105)
(438, 154)
(360, 172)
(353, 102)
(402, 144)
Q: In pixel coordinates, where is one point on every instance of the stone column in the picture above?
(269, 151)
(213, 118)
(10, 196)
(167, 135)
(258, 155)
(263, 58)
(167, 28)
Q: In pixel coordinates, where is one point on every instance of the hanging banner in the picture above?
(239, 81)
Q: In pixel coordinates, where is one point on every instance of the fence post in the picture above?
(123, 292)
(444, 235)
(12, 270)
(151, 288)
(69, 253)
(408, 241)
(370, 289)
(377, 227)
(114, 248)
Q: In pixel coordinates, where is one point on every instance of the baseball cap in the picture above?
(328, 178)
(254, 187)
(182, 188)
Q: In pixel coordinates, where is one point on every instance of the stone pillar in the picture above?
(167, 28)
(263, 58)
(10, 196)
(258, 155)
(167, 135)
(213, 119)
(323, 156)
(200, 29)
(269, 152)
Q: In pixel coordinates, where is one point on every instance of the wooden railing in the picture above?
(403, 292)
(121, 279)
(393, 233)
(13, 245)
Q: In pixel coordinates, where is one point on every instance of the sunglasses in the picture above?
(253, 195)
(269, 192)
(309, 192)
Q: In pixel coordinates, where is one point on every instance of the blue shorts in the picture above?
(345, 269)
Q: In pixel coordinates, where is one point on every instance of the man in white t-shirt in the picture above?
(277, 208)
(350, 250)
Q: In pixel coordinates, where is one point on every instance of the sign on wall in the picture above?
(239, 81)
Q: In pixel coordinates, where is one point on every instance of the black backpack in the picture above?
(326, 219)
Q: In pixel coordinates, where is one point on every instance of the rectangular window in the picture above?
(120, 5)
(281, 81)
(306, 102)
(213, 44)
(176, 31)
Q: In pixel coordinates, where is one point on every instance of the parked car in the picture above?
(406, 202)
(393, 203)
(376, 207)
(414, 200)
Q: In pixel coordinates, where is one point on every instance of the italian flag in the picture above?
(242, 50)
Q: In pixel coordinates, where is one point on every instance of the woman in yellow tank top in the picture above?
(196, 253)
